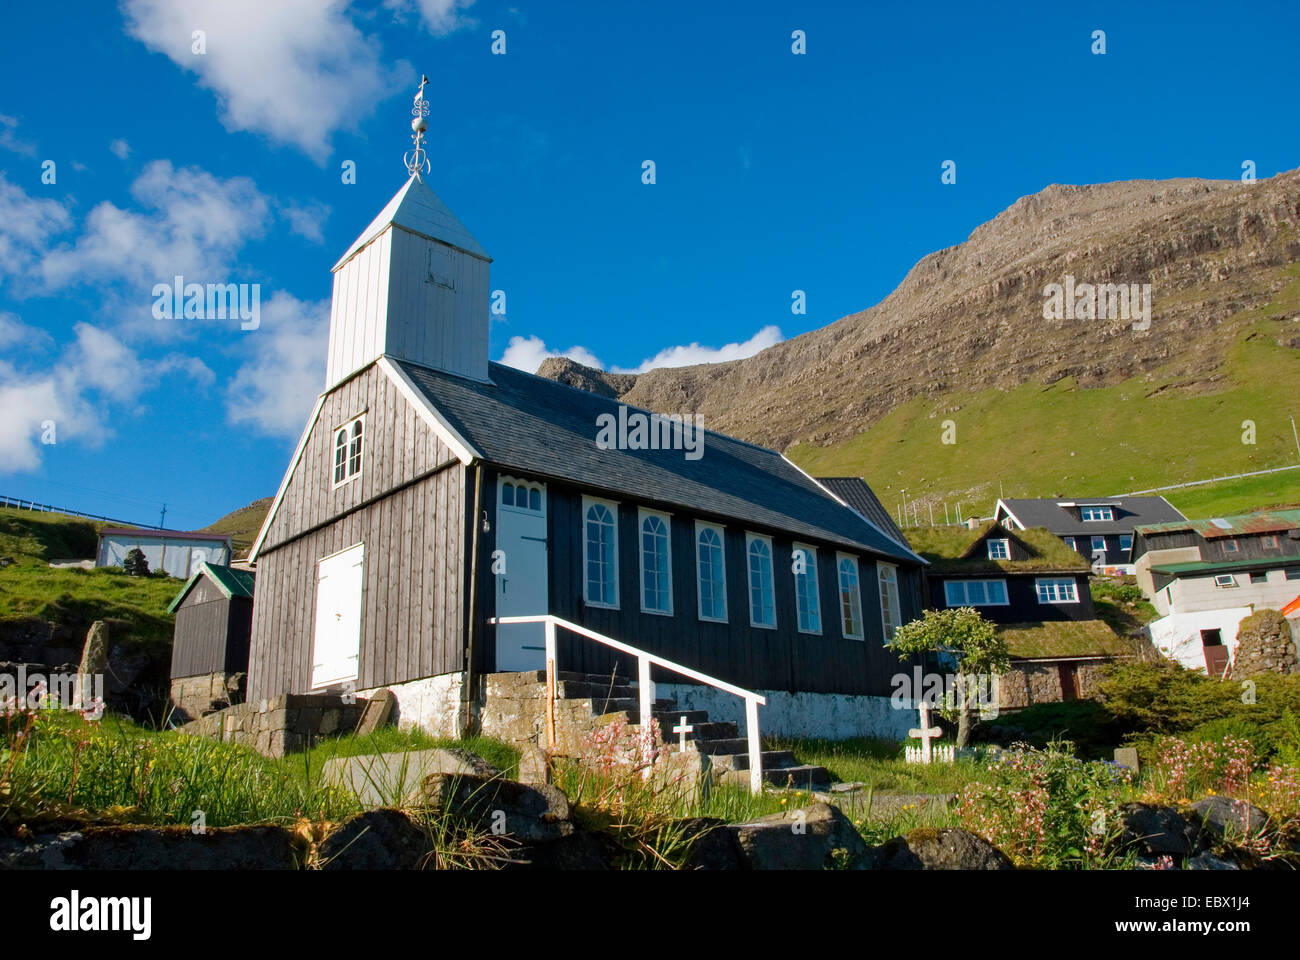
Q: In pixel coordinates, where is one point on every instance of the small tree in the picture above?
(135, 563)
(965, 635)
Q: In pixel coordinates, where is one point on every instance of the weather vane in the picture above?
(416, 160)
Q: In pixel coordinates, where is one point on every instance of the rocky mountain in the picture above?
(971, 318)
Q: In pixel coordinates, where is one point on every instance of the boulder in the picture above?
(395, 779)
(713, 846)
(577, 851)
(1208, 861)
(948, 849)
(1156, 830)
(686, 775)
(375, 840)
(533, 764)
(154, 848)
(528, 813)
(1235, 819)
(802, 839)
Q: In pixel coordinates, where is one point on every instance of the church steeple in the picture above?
(414, 285)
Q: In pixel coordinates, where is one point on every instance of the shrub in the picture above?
(1047, 808)
(135, 563)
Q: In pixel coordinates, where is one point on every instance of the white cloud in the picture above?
(15, 335)
(9, 139)
(528, 353)
(694, 353)
(27, 226)
(307, 219)
(120, 148)
(294, 70)
(439, 17)
(29, 402)
(284, 369)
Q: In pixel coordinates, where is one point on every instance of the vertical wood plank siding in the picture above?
(414, 535)
(782, 659)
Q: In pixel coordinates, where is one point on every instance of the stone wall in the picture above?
(1039, 681)
(1264, 645)
(515, 711)
(195, 697)
(281, 725)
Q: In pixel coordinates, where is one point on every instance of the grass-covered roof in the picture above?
(1064, 638)
(954, 549)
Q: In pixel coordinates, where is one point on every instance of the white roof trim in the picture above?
(429, 413)
(1001, 505)
(865, 519)
(288, 475)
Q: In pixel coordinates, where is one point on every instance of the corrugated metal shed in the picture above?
(175, 552)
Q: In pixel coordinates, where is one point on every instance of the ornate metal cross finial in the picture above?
(415, 160)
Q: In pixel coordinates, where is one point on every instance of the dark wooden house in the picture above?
(433, 491)
(1035, 588)
(210, 645)
(1100, 529)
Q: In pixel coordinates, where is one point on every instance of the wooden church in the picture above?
(433, 491)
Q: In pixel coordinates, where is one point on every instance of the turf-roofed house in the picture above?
(1035, 589)
(433, 491)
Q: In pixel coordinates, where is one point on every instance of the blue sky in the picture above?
(774, 172)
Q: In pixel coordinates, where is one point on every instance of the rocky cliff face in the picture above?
(971, 317)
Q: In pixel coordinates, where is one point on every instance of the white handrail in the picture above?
(645, 686)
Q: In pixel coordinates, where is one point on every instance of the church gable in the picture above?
(386, 443)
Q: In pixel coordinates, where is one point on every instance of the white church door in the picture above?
(338, 617)
(520, 573)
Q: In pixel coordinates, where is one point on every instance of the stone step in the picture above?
(724, 745)
(582, 689)
(803, 777)
(772, 760)
(670, 718)
(702, 730)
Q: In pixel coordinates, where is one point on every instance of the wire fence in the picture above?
(18, 503)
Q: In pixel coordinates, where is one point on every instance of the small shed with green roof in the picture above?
(214, 618)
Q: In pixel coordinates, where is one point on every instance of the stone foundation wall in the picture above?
(433, 704)
(195, 697)
(834, 716)
(515, 711)
(1040, 682)
(281, 725)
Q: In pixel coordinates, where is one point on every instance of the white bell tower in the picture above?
(414, 284)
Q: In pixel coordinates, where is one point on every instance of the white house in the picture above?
(176, 552)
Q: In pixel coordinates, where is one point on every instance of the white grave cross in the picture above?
(926, 732)
(683, 728)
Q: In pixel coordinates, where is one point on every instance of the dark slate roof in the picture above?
(1130, 512)
(230, 581)
(545, 428)
(855, 492)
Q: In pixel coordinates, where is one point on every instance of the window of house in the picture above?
(1293, 573)
(850, 599)
(522, 495)
(1225, 580)
(975, 593)
(1229, 546)
(891, 614)
(1098, 544)
(600, 536)
(711, 573)
(1096, 513)
(347, 451)
(1126, 543)
(1057, 590)
(1070, 542)
(1259, 576)
(805, 589)
(1269, 542)
(656, 563)
(999, 549)
(762, 595)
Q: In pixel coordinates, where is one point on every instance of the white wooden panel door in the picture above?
(521, 583)
(338, 617)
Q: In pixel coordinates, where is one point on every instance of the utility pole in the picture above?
(162, 520)
(1297, 437)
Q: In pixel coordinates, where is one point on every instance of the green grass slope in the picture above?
(242, 524)
(1041, 440)
(75, 598)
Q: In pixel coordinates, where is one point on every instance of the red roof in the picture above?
(166, 534)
